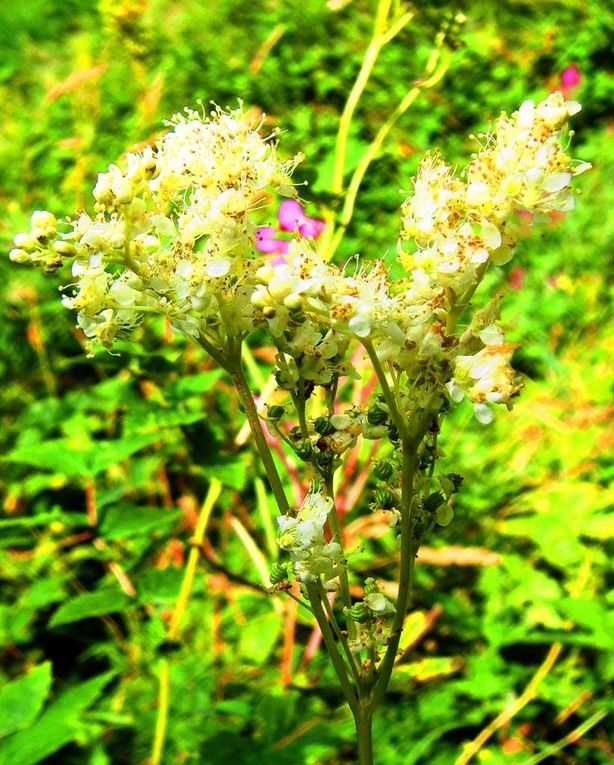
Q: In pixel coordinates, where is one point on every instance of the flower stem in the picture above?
(313, 592)
(340, 636)
(241, 384)
(395, 412)
(408, 554)
(363, 719)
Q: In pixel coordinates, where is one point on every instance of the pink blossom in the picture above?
(570, 79)
(292, 218)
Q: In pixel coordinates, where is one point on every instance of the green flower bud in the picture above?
(275, 412)
(377, 415)
(371, 586)
(323, 426)
(433, 501)
(304, 450)
(279, 573)
(359, 612)
(385, 498)
(383, 470)
(457, 479)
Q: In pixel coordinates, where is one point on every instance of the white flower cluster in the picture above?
(458, 225)
(172, 232)
(302, 536)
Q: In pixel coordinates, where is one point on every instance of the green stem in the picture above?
(408, 555)
(340, 636)
(331, 646)
(363, 719)
(241, 384)
(397, 416)
(162, 718)
(215, 354)
(337, 534)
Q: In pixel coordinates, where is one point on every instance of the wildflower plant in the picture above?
(177, 232)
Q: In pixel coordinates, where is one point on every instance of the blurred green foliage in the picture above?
(105, 462)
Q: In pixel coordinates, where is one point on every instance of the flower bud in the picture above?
(304, 450)
(293, 301)
(385, 498)
(359, 612)
(39, 234)
(340, 421)
(377, 415)
(383, 470)
(370, 586)
(279, 573)
(433, 501)
(65, 249)
(42, 219)
(275, 412)
(24, 241)
(323, 426)
(20, 256)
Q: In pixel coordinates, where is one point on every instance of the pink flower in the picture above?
(292, 218)
(570, 79)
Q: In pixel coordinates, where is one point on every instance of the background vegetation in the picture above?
(105, 462)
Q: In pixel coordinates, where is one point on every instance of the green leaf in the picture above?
(151, 417)
(193, 385)
(22, 699)
(90, 604)
(231, 472)
(160, 585)
(65, 457)
(259, 636)
(58, 725)
(130, 520)
(44, 591)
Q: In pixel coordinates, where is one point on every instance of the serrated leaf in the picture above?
(90, 604)
(57, 726)
(22, 699)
